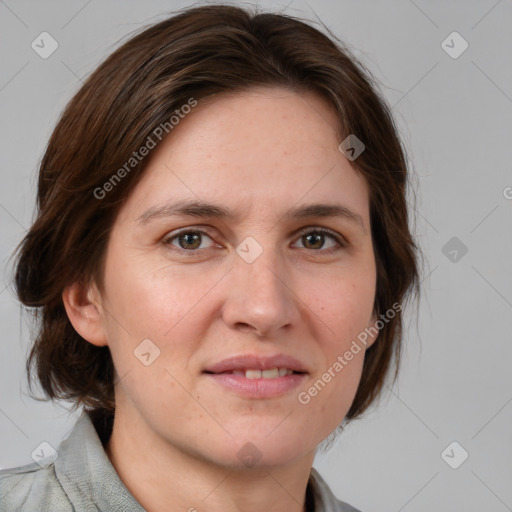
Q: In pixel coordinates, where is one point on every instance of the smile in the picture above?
(272, 373)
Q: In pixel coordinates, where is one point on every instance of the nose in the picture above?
(260, 296)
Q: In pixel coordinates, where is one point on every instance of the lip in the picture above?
(257, 388)
(254, 362)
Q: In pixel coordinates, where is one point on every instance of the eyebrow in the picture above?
(192, 208)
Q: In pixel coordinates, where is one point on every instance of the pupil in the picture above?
(189, 239)
(194, 238)
(315, 238)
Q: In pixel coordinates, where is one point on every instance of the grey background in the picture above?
(455, 116)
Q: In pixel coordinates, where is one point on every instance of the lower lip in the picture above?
(258, 388)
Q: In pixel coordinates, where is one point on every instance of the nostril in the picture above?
(248, 329)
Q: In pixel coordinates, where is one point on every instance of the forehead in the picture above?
(258, 125)
(267, 148)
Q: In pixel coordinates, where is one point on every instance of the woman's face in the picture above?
(253, 274)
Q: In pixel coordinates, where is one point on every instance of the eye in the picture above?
(314, 239)
(191, 240)
(187, 241)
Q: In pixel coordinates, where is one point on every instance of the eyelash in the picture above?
(341, 244)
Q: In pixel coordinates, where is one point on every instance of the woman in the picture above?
(220, 261)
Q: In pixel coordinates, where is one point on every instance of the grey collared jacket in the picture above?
(82, 479)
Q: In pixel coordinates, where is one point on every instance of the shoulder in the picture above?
(77, 477)
(32, 487)
(325, 500)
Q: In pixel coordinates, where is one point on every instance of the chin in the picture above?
(267, 449)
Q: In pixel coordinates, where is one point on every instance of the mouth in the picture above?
(258, 377)
(272, 373)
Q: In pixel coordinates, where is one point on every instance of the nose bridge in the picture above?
(261, 268)
(259, 295)
(266, 273)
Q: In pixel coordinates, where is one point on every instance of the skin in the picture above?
(176, 434)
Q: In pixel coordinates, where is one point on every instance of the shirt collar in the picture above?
(86, 473)
(89, 478)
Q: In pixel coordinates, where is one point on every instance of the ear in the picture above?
(85, 312)
(372, 335)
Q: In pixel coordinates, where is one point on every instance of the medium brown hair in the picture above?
(198, 53)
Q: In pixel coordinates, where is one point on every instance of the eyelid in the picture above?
(203, 230)
(340, 239)
(166, 240)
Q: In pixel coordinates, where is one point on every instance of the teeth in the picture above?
(273, 373)
(253, 374)
(270, 374)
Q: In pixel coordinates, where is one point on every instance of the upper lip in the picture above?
(254, 362)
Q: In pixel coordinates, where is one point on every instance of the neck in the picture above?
(157, 473)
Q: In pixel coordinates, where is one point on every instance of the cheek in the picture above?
(345, 304)
(163, 305)
(330, 394)
(151, 299)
